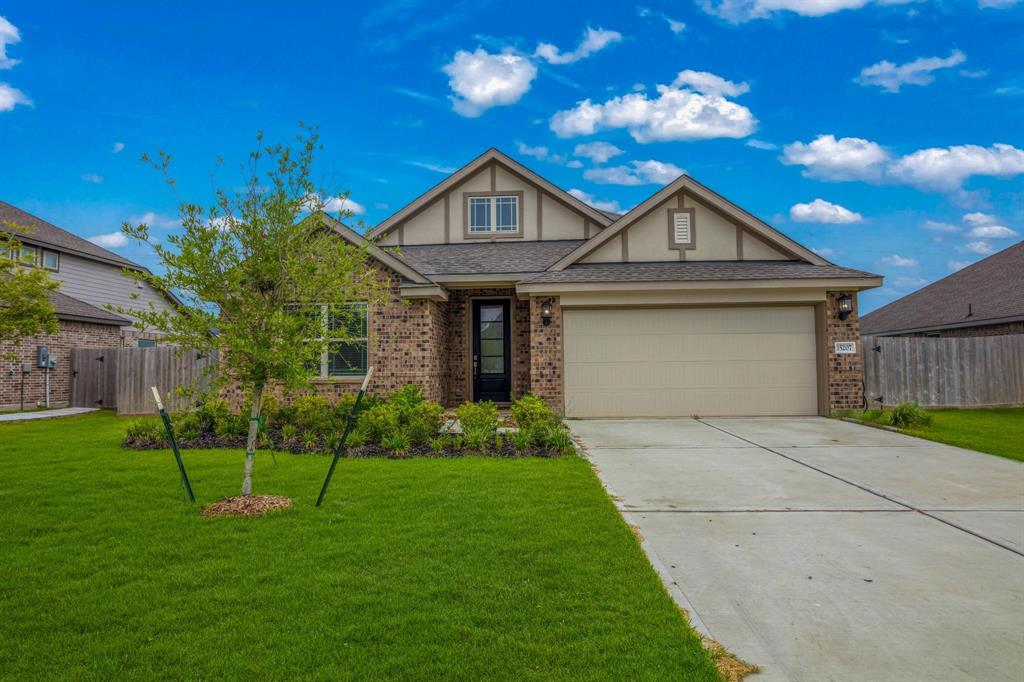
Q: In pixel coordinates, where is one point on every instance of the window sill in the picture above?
(340, 380)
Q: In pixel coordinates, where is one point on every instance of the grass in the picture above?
(419, 569)
(997, 431)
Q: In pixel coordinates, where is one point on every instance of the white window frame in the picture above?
(42, 260)
(492, 199)
(325, 355)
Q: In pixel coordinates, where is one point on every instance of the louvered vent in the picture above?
(682, 228)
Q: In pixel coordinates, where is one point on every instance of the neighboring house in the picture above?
(983, 299)
(503, 284)
(90, 278)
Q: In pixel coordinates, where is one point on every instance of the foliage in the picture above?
(25, 308)
(313, 413)
(908, 414)
(289, 432)
(479, 422)
(146, 431)
(520, 440)
(378, 422)
(529, 410)
(397, 442)
(252, 271)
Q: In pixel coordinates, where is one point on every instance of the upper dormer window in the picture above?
(494, 213)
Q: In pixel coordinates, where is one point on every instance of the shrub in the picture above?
(520, 440)
(397, 442)
(289, 432)
(312, 413)
(479, 419)
(146, 431)
(232, 426)
(310, 440)
(909, 414)
(211, 413)
(378, 422)
(423, 422)
(187, 425)
(477, 440)
(407, 397)
(560, 440)
(529, 410)
(439, 444)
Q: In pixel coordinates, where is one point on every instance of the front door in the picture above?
(492, 351)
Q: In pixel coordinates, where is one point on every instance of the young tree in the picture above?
(254, 272)
(25, 308)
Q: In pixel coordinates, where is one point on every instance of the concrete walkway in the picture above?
(45, 414)
(823, 550)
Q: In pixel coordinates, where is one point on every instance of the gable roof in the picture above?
(388, 259)
(485, 257)
(48, 234)
(706, 195)
(68, 308)
(987, 292)
(696, 271)
(492, 155)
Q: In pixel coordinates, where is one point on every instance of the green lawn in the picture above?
(417, 569)
(997, 431)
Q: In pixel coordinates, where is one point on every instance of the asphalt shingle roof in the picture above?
(485, 257)
(47, 234)
(694, 271)
(71, 308)
(991, 289)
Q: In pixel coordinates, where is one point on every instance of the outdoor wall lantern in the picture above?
(845, 306)
(545, 310)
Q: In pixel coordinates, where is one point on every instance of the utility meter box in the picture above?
(42, 357)
(51, 362)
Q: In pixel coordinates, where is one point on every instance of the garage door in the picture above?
(678, 362)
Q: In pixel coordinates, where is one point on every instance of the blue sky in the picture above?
(887, 134)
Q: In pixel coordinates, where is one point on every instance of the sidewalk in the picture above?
(46, 414)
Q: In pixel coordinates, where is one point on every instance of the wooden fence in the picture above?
(121, 377)
(944, 372)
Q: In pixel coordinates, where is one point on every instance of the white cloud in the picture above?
(1009, 91)
(891, 77)
(597, 152)
(575, 163)
(848, 158)
(430, 166)
(980, 247)
(955, 265)
(709, 84)
(936, 226)
(344, 204)
(9, 35)
(897, 261)
(481, 80)
(675, 26)
(825, 252)
(993, 232)
(117, 148)
(976, 73)
(761, 144)
(594, 40)
(11, 97)
(93, 178)
(946, 169)
(739, 11)
(599, 204)
(939, 168)
(677, 113)
(113, 240)
(979, 218)
(535, 152)
(154, 220)
(649, 172)
(996, 4)
(821, 211)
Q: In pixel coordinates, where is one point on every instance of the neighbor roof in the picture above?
(695, 271)
(988, 292)
(485, 257)
(67, 308)
(47, 234)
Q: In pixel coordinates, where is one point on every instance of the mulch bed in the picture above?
(247, 505)
(278, 443)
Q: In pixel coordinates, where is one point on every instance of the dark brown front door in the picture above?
(492, 351)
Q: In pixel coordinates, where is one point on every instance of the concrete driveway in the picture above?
(824, 550)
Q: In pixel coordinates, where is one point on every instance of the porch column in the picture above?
(546, 357)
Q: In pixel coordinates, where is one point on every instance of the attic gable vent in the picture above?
(682, 227)
(682, 232)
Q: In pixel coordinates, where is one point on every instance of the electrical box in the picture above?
(26, 368)
(42, 357)
(51, 362)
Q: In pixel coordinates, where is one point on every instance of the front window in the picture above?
(493, 214)
(344, 333)
(28, 255)
(51, 260)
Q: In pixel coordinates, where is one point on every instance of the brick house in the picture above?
(501, 283)
(983, 299)
(90, 278)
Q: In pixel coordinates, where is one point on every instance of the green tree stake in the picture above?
(174, 445)
(349, 423)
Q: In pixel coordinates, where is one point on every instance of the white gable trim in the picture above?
(708, 196)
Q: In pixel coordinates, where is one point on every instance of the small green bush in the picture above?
(146, 431)
(439, 444)
(232, 426)
(479, 422)
(520, 440)
(397, 442)
(909, 414)
(211, 413)
(423, 422)
(289, 432)
(529, 410)
(312, 413)
(477, 440)
(310, 440)
(187, 425)
(407, 397)
(378, 422)
(560, 440)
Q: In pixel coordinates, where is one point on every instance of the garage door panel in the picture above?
(690, 361)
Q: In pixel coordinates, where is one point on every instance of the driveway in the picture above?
(823, 550)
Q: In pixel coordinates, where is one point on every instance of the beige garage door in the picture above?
(678, 362)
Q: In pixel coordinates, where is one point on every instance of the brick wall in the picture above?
(546, 358)
(844, 372)
(460, 310)
(71, 335)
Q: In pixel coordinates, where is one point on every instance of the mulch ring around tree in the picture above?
(247, 505)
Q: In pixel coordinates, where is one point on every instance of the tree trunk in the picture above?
(250, 441)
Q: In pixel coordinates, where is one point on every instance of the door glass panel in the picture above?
(492, 365)
(490, 347)
(492, 313)
(492, 330)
